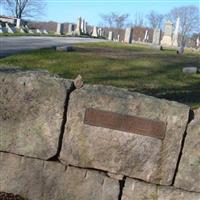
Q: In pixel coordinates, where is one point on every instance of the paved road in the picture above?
(13, 45)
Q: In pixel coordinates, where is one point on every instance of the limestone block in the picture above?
(138, 190)
(188, 176)
(31, 111)
(119, 152)
(36, 179)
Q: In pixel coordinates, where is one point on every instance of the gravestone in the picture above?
(78, 26)
(118, 38)
(167, 37)
(9, 29)
(94, 32)
(198, 42)
(18, 23)
(86, 28)
(128, 35)
(21, 30)
(83, 26)
(38, 31)
(124, 133)
(175, 35)
(146, 36)
(45, 32)
(1, 29)
(156, 36)
(60, 29)
(110, 35)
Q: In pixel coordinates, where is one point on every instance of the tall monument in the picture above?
(167, 37)
(175, 35)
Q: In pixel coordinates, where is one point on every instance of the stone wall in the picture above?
(51, 148)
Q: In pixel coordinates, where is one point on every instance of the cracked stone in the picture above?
(31, 111)
(143, 157)
(139, 190)
(188, 176)
(36, 179)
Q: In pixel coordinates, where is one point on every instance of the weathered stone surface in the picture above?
(36, 179)
(31, 111)
(138, 190)
(119, 152)
(188, 176)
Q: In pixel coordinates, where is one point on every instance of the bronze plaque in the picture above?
(131, 124)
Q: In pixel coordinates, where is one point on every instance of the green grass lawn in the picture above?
(136, 67)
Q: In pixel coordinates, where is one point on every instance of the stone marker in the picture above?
(118, 38)
(94, 32)
(64, 48)
(70, 28)
(41, 180)
(86, 28)
(78, 26)
(110, 35)
(83, 26)
(38, 31)
(1, 29)
(146, 37)
(45, 32)
(18, 23)
(188, 176)
(190, 70)
(31, 112)
(128, 35)
(167, 38)
(138, 190)
(9, 29)
(60, 29)
(119, 151)
(156, 36)
(21, 30)
(175, 35)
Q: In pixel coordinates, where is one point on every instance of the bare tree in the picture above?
(189, 20)
(139, 19)
(155, 19)
(114, 20)
(24, 8)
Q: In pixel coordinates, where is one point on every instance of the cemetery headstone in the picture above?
(175, 35)
(110, 35)
(145, 36)
(94, 32)
(167, 38)
(156, 36)
(38, 31)
(9, 29)
(128, 35)
(198, 43)
(78, 26)
(18, 23)
(83, 26)
(60, 29)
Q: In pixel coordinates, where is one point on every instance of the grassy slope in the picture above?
(138, 68)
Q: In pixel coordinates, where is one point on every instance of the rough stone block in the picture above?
(36, 179)
(119, 152)
(31, 111)
(188, 176)
(138, 190)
